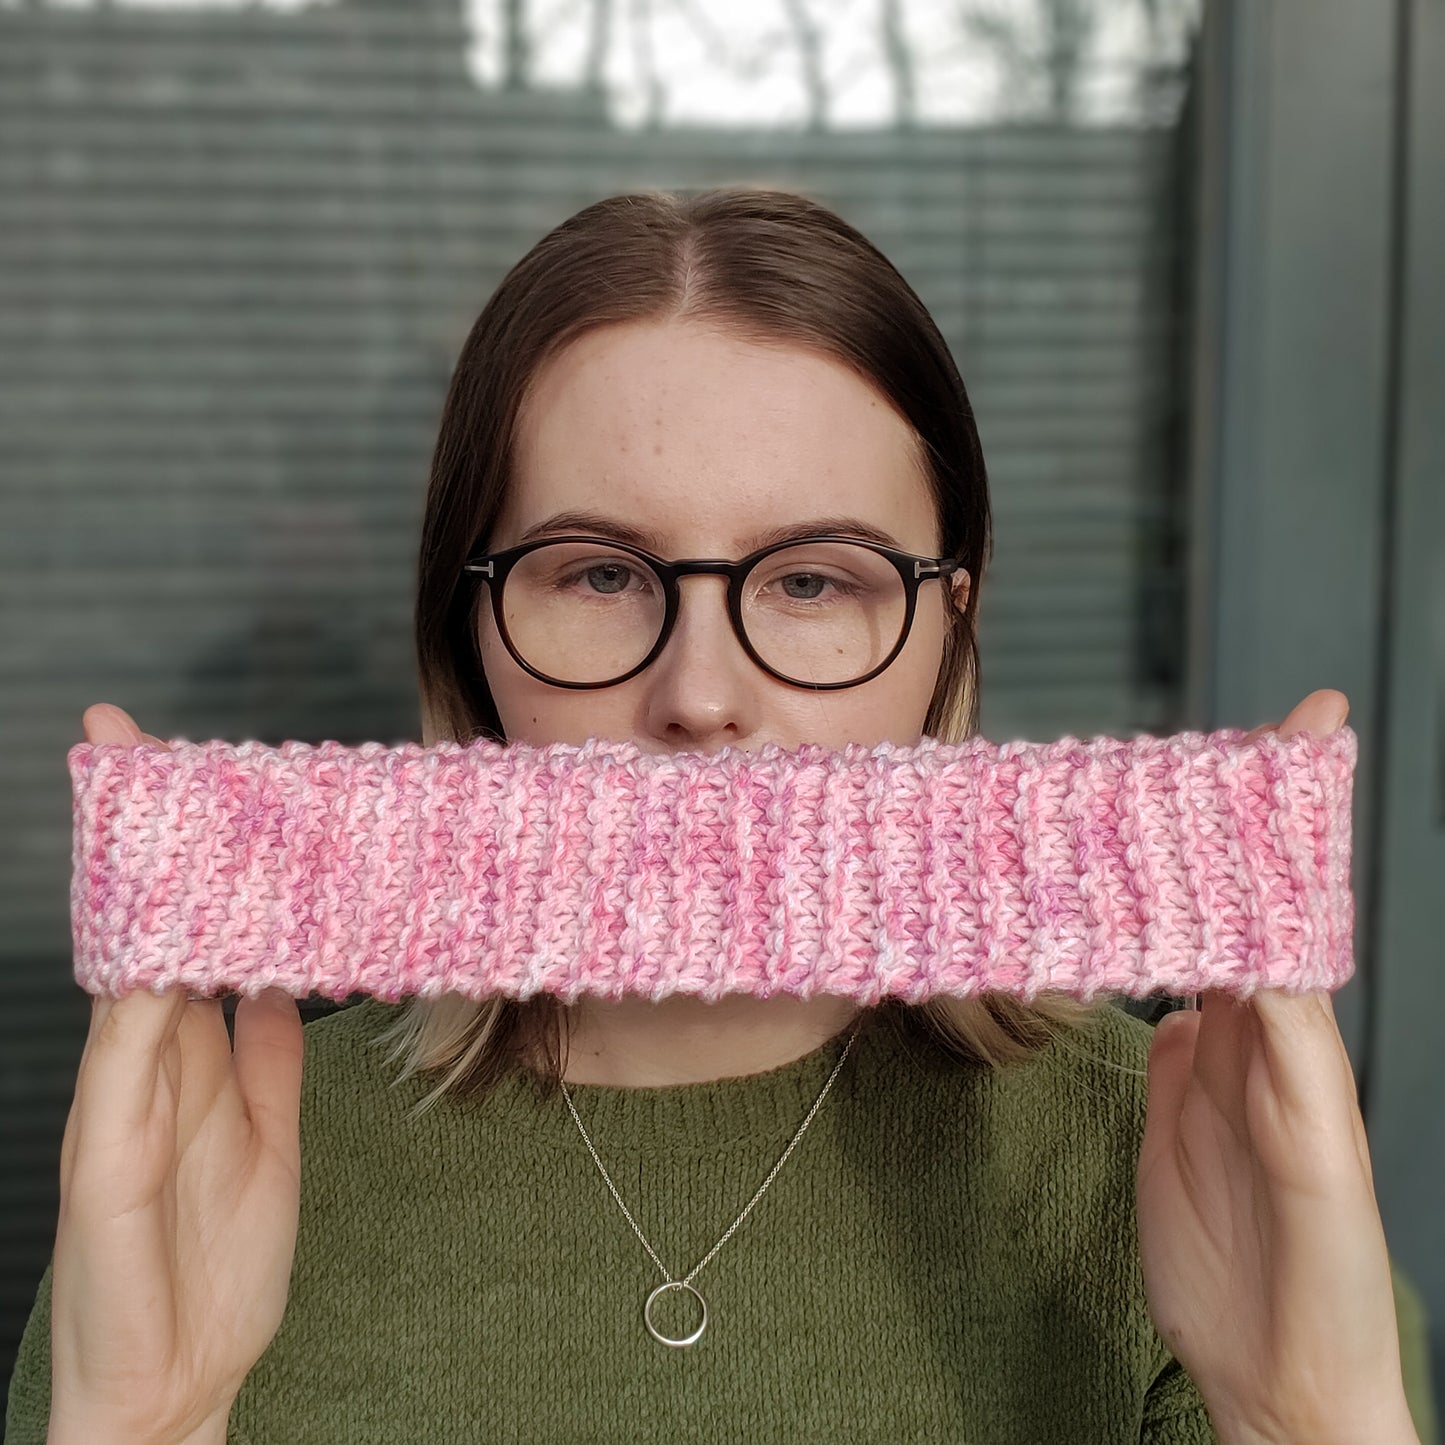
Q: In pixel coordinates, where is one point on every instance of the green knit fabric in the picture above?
(949, 1254)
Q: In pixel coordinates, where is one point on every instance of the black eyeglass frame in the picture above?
(493, 568)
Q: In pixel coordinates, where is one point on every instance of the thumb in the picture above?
(103, 722)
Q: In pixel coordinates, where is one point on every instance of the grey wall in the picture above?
(1407, 1100)
(1319, 466)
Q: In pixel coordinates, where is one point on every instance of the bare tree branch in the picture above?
(899, 59)
(516, 45)
(599, 40)
(1069, 26)
(1065, 29)
(809, 39)
(647, 61)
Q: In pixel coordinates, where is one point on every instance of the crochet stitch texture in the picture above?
(1192, 862)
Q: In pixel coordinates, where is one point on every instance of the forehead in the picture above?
(710, 433)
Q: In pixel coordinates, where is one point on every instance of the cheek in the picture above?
(489, 642)
(931, 622)
(506, 680)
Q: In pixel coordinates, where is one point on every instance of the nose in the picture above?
(702, 687)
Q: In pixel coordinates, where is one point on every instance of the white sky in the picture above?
(733, 62)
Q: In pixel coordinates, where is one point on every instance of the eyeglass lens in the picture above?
(820, 612)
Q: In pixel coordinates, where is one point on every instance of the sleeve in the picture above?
(1174, 1411)
(27, 1406)
(1414, 1331)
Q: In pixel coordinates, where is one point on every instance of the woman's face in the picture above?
(707, 441)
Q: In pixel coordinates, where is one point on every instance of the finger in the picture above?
(100, 1006)
(201, 1065)
(1308, 1065)
(1262, 728)
(1227, 1043)
(1322, 712)
(103, 722)
(1171, 1053)
(269, 1049)
(115, 1089)
(1275, 1067)
(1169, 1067)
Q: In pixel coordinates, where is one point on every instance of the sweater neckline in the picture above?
(749, 1109)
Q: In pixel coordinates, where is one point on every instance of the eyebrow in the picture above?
(596, 524)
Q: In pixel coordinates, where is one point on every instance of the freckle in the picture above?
(657, 449)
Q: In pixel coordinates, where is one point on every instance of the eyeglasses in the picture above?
(587, 612)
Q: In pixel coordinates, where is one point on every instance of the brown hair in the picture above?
(765, 265)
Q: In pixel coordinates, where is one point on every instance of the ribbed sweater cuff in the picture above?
(1192, 862)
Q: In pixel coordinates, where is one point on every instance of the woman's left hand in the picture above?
(1264, 1257)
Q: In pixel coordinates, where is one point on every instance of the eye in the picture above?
(606, 578)
(815, 581)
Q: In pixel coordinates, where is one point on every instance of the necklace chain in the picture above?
(687, 1280)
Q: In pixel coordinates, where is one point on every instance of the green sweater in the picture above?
(949, 1254)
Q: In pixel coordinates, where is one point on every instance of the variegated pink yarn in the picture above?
(1198, 861)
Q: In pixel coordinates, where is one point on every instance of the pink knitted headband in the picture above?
(1199, 861)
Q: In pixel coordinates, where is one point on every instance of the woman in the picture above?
(950, 1251)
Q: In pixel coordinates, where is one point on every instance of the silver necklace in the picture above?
(686, 1282)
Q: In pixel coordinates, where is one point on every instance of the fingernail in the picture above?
(1167, 1022)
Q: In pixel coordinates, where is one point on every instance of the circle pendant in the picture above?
(652, 1329)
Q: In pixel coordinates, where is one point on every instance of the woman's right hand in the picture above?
(180, 1184)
